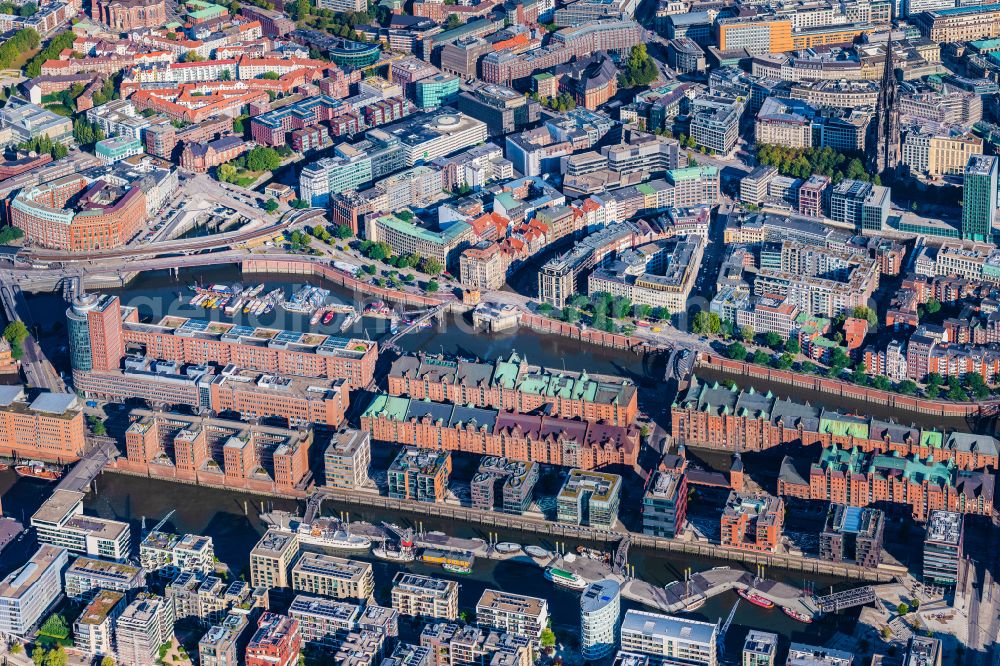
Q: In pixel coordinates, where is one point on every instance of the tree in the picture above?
(760, 357)
(10, 234)
(57, 657)
(432, 286)
(792, 346)
(747, 333)
(431, 266)
(932, 306)
(860, 376)
(192, 56)
(545, 309)
(270, 205)
(642, 311)
(263, 158)
(882, 383)
(38, 655)
(107, 661)
(620, 307)
(15, 332)
(343, 231)
(97, 425)
(866, 313)
(640, 69)
(907, 387)
(772, 339)
(405, 215)
(452, 22)
(902, 608)
(28, 9)
(706, 323)
(808, 367)
(838, 359)
(548, 638)
(270, 76)
(570, 314)
(301, 9)
(736, 351)
(659, 314)
(784, 362)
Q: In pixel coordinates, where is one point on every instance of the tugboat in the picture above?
(755, 599)
(402, 554)
(37, 470)
(797, 616)
(564, 578)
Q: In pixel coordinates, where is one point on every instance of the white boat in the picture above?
(456, 568)
(564, 578)
(507, 547)
(235, 306)
(537, 551)
(394, 555)
(326, 532)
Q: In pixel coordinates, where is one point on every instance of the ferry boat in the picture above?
(797, 616)
(564, 578)
(537, 551)
(37, 470)
(507, 547)
(326, 532)
(755, 599)
(460, 569)
(402, 554)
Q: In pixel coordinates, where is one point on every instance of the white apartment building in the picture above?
(668, 639)
(60, 522)
(28, 592)
(513, 613)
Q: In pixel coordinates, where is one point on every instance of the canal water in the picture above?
(233, 520)
(158, 293)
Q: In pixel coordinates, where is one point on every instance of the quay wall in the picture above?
(590, 335)
(847, 390)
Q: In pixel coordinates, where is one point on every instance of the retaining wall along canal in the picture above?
(847, 390)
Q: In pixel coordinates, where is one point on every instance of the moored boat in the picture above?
(564, 578)
(755, 599)
(797, 616)
(37, 470)
(507, 547)
(329, 533)
(328, 317)
(456, 568)
(402, 554)
(537, 551)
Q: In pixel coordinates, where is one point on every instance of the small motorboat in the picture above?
(460, 569)
(537, 551)
(507, 547)
(797, 616)
(328, 317)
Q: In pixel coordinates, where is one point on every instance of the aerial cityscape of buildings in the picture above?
(500, 332)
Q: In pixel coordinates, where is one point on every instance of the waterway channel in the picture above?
(232, 519)
(158, 293)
